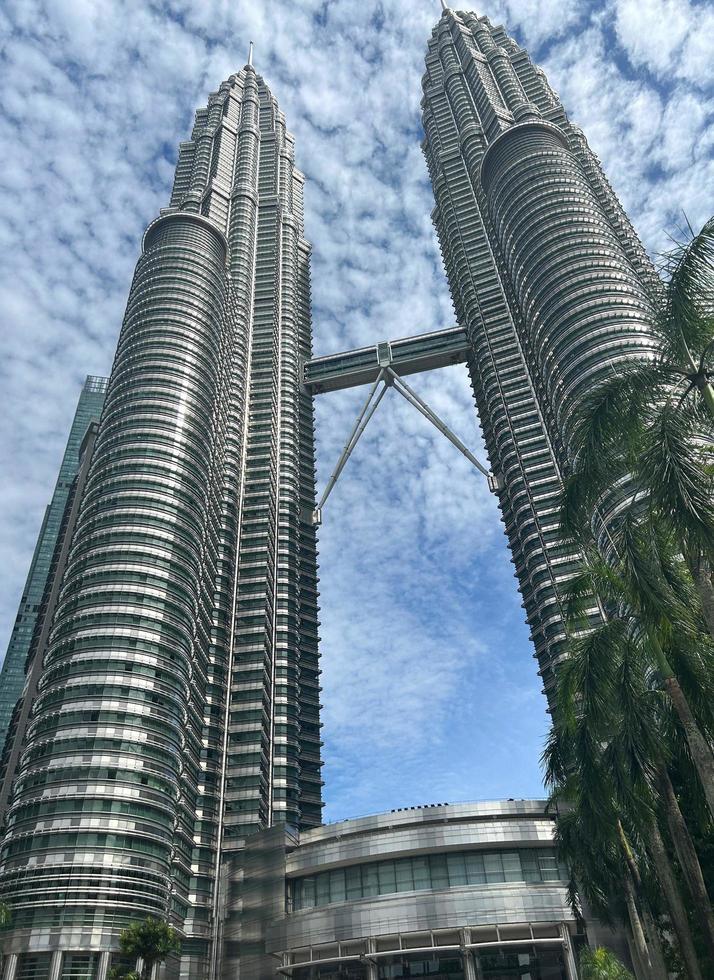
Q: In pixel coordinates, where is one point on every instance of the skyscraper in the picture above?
(12, 676)
(178, 707)
(548, 278)
(177, 711)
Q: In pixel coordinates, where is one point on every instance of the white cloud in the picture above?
(429, 682)
(668, 37)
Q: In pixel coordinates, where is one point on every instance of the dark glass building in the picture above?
(12, 676)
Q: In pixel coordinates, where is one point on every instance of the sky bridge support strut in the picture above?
(388, 378)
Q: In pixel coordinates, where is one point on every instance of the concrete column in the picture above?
(571, 966)
(103, 967)
(370, 964)
(10, 967)
(467, 956)
(56, 965)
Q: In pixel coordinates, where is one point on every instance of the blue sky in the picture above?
(430, 689)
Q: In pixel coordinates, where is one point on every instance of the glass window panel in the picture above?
(529, 864)
(308, 893)
(439, 871)
(420, 871)
(322, 889)
(370, 879)
(403, 872)
(432, 871)
(548, 863)
(337, 885)
(493, 866)
(475, 872)
(456, 866)
(387, 878)
(353, 882)
(512, 866)
(389, 970)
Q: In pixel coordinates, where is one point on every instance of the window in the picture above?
(450, 870)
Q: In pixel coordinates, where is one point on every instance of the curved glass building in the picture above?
(465, 891)
(166, 756)
(548, 278)
(177, 711)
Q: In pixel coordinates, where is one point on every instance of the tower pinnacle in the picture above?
(444, 5)
(250, 54)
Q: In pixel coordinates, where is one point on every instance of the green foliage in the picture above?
(601, 964)
(153, 940)
(5, 915)
(646, 429)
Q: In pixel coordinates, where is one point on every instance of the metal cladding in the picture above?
(547, 277)
(178, 708)
(377, 896)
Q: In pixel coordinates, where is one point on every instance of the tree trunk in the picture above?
(688, 859)
(701, 574)
(677, 912)
(637, 968)
(653, 940)
(652, 958)
(701, 752)
(644, 957)
(640, 971)
(629, 856)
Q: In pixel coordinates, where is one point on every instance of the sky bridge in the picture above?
(384, 365)
(409, 355)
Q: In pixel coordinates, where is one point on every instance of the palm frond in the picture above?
(587, 677)
(612, 413)
(583, 488)
(640, 557)
(678, 576)
(687, 315)
(672, 468)
(554, 759)
(637, 740)
(578, 596)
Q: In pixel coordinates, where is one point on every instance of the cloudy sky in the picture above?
(430, 689)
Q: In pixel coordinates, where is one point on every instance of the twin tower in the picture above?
(171, 703)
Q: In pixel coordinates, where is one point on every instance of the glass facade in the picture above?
(439, 966)
(529, 963)
(178, 706)
(12, 676)
(431, 871)
(547, 276)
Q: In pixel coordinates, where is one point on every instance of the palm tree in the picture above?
(5, 922)
(152, 940)
(609, 751)
(645, 434)
(606, 873)
(601, 964)
(644, 584)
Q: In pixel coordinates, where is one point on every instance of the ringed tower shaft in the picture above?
(178, 708)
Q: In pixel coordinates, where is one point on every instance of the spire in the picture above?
(444, 5)
(250, 53)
